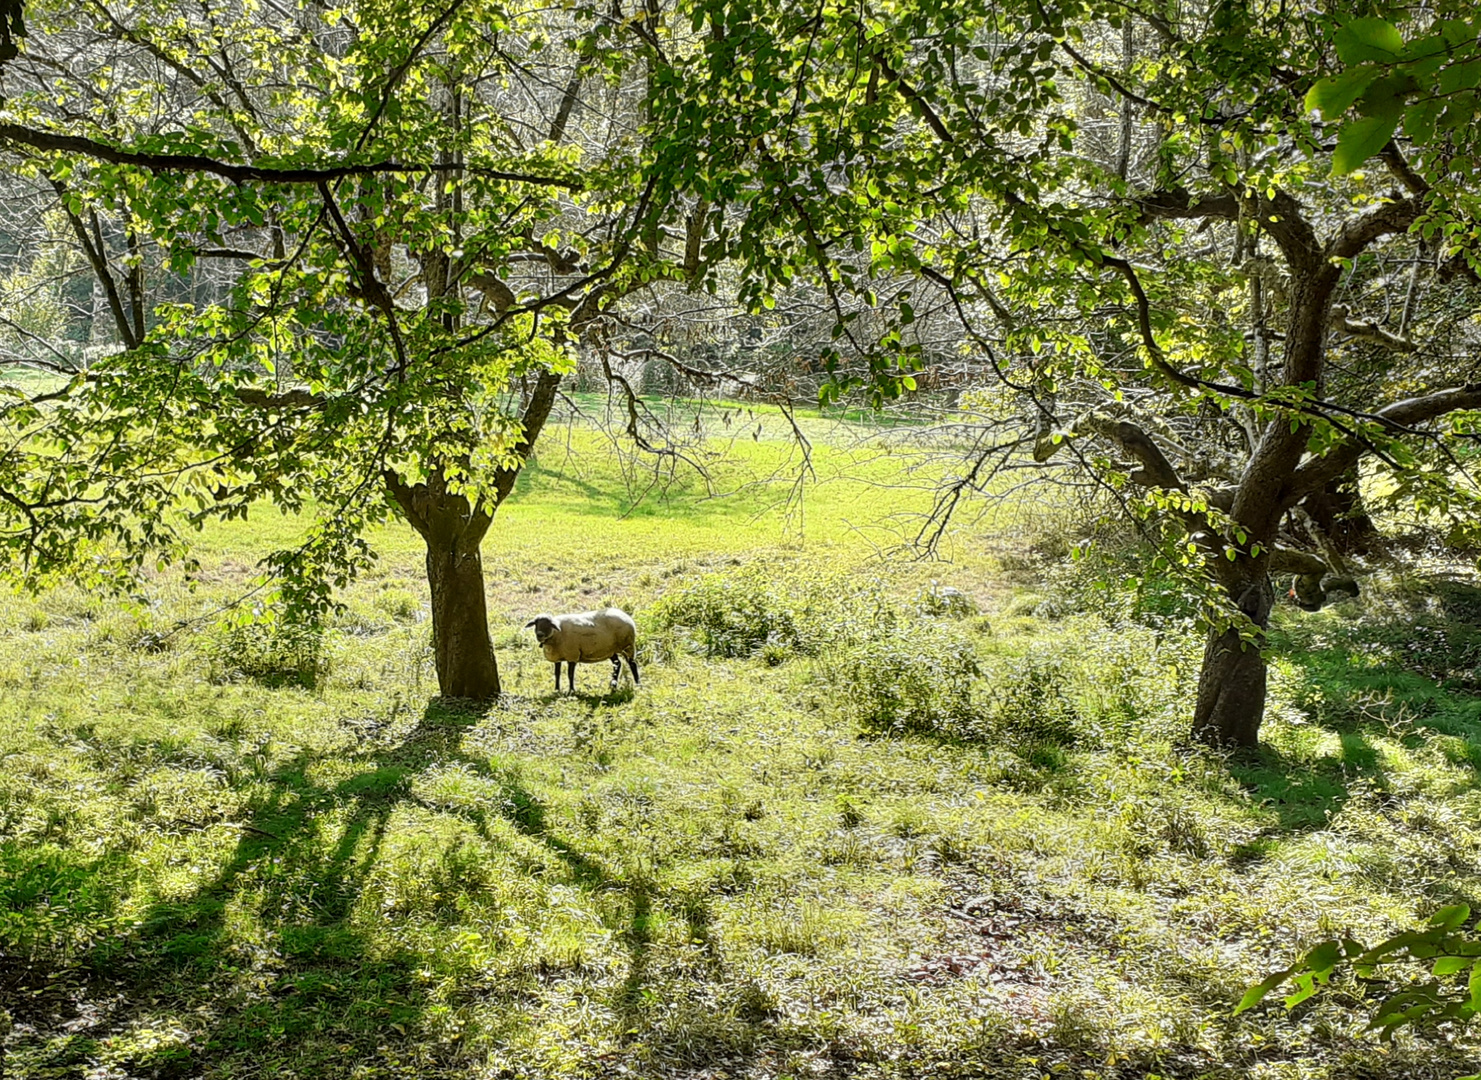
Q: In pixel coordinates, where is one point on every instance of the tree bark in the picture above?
(466, 667)
(453, 530)
(1231, 684)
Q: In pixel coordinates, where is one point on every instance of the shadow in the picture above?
(1401, 676)
(299, 949)
(305, 972)
(1304, 794)
(638, 937)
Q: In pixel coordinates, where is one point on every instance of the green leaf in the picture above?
(1368, 39)
(1419, 120)
(1335, 94)
(1386, 95)
(1324, 957)
(1361, 139)
(1452, 917)
(1257, 993)
(1458, 77)
(1450, 965)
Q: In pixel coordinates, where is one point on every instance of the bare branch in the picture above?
(1368, 330)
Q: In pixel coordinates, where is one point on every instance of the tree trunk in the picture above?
(466, 667)
(1231, 685)
(453, 530)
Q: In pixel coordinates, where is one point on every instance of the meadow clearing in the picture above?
(844, 828)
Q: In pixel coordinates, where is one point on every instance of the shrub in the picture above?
(1029, 701)
(401, 604)
(274, 654)
(916, 678)
(758, 610)
(731, 614)
(943, 601)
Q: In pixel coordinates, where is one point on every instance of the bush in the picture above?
(274, 654)
(732, 614)
(943, 601)
(757, 610)
(917, 678)
(401, 604)
(1030, 701)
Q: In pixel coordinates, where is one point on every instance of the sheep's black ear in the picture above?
(531, 623)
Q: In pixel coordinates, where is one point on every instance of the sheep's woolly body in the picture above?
(587, 637)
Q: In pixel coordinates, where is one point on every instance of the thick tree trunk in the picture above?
(453, 530)
(1231, 685)
(466, 667)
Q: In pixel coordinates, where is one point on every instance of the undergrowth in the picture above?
(213, 867)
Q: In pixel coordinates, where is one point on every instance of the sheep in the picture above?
(586, 637)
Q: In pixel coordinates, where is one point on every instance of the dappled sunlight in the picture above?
(773, 853)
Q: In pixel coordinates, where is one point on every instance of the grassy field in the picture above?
(889, 837)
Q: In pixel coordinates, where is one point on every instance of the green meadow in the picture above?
(850, 825)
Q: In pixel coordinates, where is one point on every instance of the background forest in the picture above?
(1035, 442)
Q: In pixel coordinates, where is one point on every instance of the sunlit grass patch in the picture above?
(731, 867)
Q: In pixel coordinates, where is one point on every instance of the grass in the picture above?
(752, 866)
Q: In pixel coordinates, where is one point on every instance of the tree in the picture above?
(424, 209)
(1199, 277)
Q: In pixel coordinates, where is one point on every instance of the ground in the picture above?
(234, 851)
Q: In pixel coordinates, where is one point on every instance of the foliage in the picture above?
(917, 677)
(236, 879)
(1428, 84)
(945, 602)
(260, 355)
(275, 653)
(1451, 994)
(1014, 192)
(803, 612)
(1030, 701)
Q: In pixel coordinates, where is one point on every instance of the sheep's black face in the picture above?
(544, 626)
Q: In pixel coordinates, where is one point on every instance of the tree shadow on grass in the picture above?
(1379, 681)
(274, 961)
(1305, 793)
(268, 953)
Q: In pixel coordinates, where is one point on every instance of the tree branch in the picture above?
(1352, 238)
(1370, 331)
(97, 256)
(239, 173)
(1155, 471)
(910, 94)
(1401, 416)
(1180, 203)
(1393, 157)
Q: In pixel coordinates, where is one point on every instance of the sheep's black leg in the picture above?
(557, 676)
(616, 670)
(632, 665)
(571, 675)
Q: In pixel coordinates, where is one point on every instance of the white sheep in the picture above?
(587, 637)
